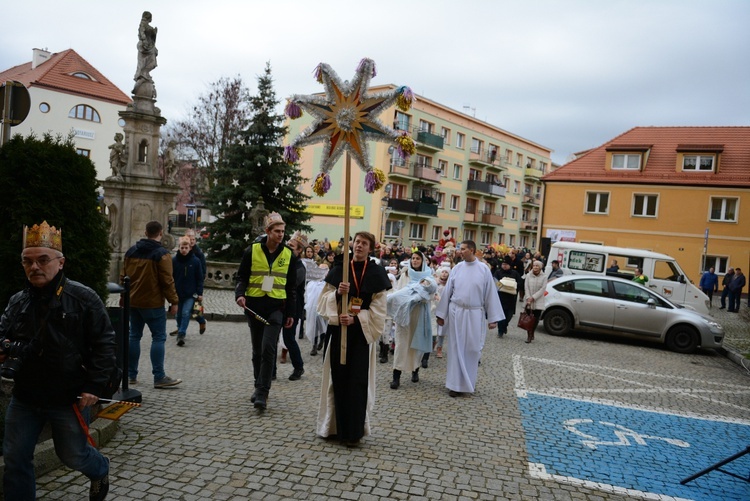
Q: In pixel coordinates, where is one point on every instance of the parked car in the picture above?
(612, 305)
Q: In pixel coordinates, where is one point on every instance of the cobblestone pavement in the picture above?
(204, 440)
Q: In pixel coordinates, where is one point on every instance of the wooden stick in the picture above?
(345, 250)
(110, 401)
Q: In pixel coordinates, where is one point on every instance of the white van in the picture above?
(664, 274)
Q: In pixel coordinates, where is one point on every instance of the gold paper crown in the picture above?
(42, 235)
(273, 219)
(299, 237)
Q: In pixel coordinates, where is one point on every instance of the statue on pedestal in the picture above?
(147, 52)
(170, 164)
(117, 157)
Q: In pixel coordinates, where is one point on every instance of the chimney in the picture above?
(39, 56)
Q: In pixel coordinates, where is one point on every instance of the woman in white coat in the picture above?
(534, 287)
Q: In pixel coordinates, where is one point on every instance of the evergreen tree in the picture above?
(47, 180)
(254, 167)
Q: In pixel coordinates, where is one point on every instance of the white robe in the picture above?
(468, 303)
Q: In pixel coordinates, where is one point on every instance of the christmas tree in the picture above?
(253, 168)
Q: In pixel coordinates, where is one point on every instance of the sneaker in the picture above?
(202, 328)
(174, 332)
(296, 374)
(166, 381)
(181, 341)
(99, 488)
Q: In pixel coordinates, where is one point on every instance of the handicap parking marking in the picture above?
(629, 450)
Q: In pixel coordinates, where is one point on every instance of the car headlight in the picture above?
(713, 324)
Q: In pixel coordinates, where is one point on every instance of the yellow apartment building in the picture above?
(682, 191)
(468, 177)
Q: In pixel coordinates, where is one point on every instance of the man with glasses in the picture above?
(58, 345)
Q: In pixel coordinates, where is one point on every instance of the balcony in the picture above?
(399, 171)
(529, 226)
(428, 140)
(426, 173)
(471, 217)
(412, 207)
(530, 200)
(530, 174)
(489, 159)
(485, 188)
(491, 219)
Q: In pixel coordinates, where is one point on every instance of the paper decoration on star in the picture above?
(344, 120)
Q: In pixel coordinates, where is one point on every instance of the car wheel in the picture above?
(682, 339)
(557, 322)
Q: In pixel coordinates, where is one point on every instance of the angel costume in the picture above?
(468, 303)
(348, 391)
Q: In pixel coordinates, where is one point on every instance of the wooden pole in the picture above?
(345, 250)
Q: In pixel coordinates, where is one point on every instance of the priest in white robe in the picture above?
(469, 302)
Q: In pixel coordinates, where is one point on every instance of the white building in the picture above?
(69, 94)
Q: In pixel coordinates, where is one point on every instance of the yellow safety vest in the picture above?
(260, 269)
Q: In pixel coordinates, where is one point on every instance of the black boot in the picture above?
(396, 379)
(425, 359)
(415, 376)
(383, 353)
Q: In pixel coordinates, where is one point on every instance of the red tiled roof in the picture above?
(733, 143)
(57, 74)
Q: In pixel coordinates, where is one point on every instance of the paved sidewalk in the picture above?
(204, 440)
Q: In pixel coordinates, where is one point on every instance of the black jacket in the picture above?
(72, 352)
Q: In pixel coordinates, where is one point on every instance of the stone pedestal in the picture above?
(140, 194)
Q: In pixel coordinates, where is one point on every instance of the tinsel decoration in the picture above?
(406, 145)
(291, 154)
(363, 65)
(374, 180)
(405, 98)
(318, 73)
(292, 110)
(322, 184)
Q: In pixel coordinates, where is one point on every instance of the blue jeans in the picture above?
(184, 311)
(156, 319)
(23, 424)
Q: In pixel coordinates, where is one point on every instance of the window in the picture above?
(475, 175)
(489, 207)
(84, 112)
(585, 287)
(519, 159)
(634, 294)
(703, 163)
(493, 150)
(508, 156)
(424, 161)
(718, 263)
(83, 153)
(524, 241)
(513, 213)
(512, 241)
(486, 238)
(470, 235)
(471, 205)
(454, 231)
(44, 107)
(441, 200)
(437, 231)
(455, 201)
(527, 189)
(80, 74)
(393, 228)
(460, 140)
(630, 161)
(476, 145)
(416, 231)
(543, 167)
(597, 203)
(666, 270)
(501, 238)
(457, 171)
(531, 163)
(516, 186)
(425, 126)
(724, 209)
(645, 205)
(504, 211)
(446, 133)
(402, 121)
(525, 215)
(443, 167)
(398, 190)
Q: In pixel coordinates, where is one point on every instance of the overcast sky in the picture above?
(566, 74)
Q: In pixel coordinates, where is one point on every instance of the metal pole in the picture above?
(7, 99)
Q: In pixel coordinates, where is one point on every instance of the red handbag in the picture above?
(527, 320)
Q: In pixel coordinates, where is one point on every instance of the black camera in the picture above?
(15, 352)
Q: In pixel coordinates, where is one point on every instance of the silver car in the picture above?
(615, 306)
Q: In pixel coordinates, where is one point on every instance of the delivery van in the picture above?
(664, 274)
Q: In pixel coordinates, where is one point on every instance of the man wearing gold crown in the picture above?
(58, 346)
(266, 290)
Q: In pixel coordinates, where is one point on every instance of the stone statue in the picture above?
(147, 53)
(117, 159)
(170, 164)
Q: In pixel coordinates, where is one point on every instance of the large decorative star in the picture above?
(346, 118)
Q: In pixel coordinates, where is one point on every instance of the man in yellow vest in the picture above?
(266, 282)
